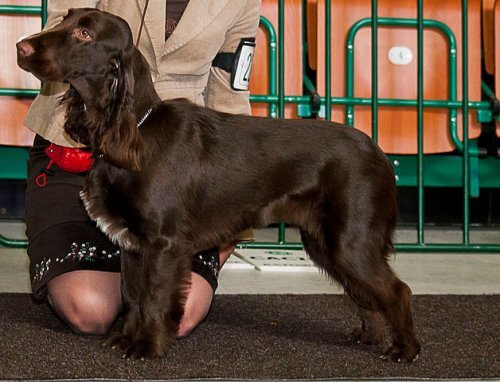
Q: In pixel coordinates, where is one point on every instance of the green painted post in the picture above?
(328, 60)
(44, 12)
(465, 122)
(272, 97)
(281, 93)
(374, 71)
(420, 123)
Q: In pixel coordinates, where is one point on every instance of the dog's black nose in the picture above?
(24, 49)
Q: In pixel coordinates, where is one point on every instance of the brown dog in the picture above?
(189, 178)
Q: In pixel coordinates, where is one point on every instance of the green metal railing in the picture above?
(468, 149)
(419, 170)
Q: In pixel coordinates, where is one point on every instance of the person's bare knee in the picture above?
(197, 305)
(85, 312)
(88, 301)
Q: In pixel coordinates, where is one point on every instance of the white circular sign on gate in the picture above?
(400, 55)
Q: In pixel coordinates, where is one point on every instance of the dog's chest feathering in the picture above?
(113, 226)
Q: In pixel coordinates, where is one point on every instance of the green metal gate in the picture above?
(473, 167)
(409, 169)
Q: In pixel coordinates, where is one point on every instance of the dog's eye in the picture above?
(83, 34)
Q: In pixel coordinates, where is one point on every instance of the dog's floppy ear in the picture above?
(75, 119)
(121, 142)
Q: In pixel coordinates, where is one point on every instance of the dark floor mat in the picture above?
(261, 337)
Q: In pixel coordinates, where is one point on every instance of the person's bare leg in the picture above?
(200, 297)
(88, 301)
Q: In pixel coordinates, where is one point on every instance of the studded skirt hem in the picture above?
(69, 247)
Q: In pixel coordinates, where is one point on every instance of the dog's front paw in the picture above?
(402, 353)
(144, 349)
(119, 341)
(139, 349)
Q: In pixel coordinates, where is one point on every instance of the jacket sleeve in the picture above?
(219, 95)
(57, 9)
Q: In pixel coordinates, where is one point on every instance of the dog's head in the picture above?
(93, 51)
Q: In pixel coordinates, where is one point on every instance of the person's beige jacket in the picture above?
(180, 67)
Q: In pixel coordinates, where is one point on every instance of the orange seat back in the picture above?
(259, 82)
(398, 125)
(496, 68)
(488, 35)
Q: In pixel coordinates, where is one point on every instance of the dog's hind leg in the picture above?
(353, 261)
(372, 285)
(373, 323)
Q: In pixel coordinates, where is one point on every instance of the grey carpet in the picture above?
(261, 337)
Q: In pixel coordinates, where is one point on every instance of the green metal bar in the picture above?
(420, 123)
(273, 62)
(465, 122)
(9, 92)
(469, 248)
(487, 90)
(281, 93)
(374, 105)
(401, 247)
(12, 243)
(493, 100)
(264, 98)
(308, 83)
(21, 10)
(440, 104)
(44, 12)
(281, 61)
(328, 59)
(26, 10)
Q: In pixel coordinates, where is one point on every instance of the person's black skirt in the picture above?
(61, 236)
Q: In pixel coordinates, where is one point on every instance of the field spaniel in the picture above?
(171, 178)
